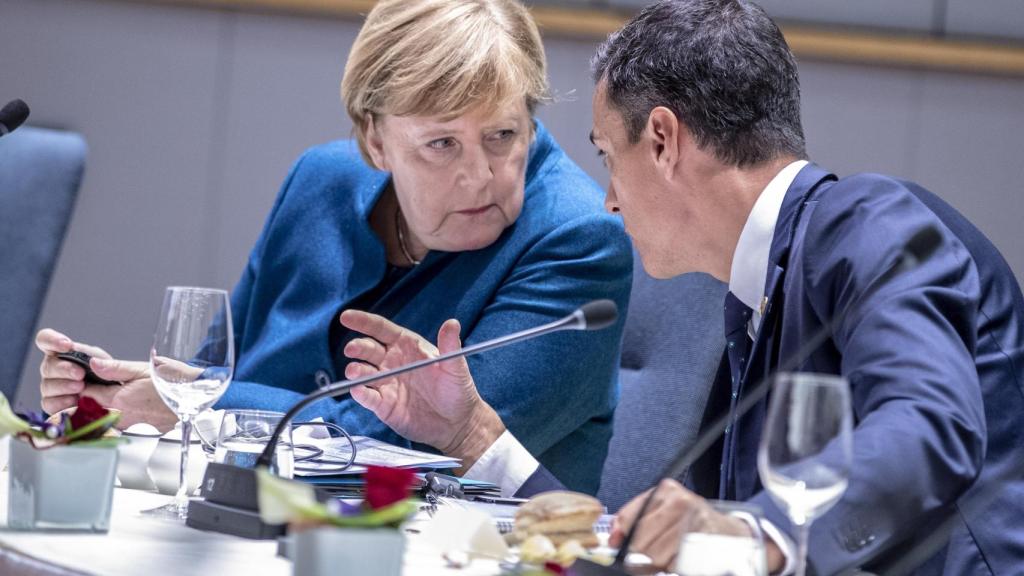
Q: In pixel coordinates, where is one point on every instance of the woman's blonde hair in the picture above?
(442, 58)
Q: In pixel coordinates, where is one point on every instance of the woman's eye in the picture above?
(503, 135)
(441, 143)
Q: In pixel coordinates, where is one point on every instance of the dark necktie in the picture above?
(737, 317)
(737, 342)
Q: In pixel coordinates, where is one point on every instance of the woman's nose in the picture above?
(478, 168)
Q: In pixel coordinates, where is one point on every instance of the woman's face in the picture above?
(459, 182)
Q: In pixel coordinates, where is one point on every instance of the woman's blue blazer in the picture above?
(317, 253)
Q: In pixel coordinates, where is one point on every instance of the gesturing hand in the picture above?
(438, 405)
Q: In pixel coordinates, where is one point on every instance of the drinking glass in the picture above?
(710, 554)
(191, 364)
(243, 436)
(807, 449)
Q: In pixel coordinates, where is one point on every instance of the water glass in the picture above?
(706, 554)
(243, 436)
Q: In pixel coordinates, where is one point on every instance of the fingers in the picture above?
(119, 370)
(663, 548)
(55, 404)
(374, 326)
(355, 370)
(51, 342)
(55, 368)
(624, 519)
(448, 339)
(367, 397)
(367, 350)
(54, 387)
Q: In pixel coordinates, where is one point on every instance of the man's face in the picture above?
(659, 210)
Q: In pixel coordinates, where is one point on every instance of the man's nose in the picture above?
(611, 202)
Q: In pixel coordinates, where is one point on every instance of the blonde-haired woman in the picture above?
(453, 212)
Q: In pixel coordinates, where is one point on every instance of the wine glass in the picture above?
(807, 449)
(191, 364)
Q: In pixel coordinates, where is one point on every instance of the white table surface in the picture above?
(138, 545)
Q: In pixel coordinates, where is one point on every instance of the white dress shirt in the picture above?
(508, 464)
(746, 281)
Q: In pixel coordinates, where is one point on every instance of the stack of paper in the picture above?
(369, 452)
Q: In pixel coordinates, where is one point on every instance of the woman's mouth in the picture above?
(475, 211)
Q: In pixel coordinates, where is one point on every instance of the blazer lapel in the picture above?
(763, 358)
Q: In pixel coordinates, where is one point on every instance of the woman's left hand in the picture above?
(437, 405)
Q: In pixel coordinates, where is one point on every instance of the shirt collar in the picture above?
(750, 260)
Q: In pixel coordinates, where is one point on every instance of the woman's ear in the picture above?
(375, 143)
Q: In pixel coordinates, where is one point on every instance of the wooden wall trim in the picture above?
(807, 42)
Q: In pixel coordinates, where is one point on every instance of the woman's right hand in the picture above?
(63, 382)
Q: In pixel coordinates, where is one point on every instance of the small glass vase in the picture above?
(60, 488)
(333, 551)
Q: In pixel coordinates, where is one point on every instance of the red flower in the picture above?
(553, 568)
(88, 410)
(385, 486)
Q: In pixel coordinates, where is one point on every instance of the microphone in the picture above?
(231, 503)
(12, 115)
(921, 246)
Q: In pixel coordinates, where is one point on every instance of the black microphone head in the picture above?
(598, 314)
(923, 243)
(13, 114)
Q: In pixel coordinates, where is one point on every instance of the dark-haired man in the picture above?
(697, 114)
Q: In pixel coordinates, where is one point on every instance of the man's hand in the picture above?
(438, 405)
(63, 382)
(676, 511)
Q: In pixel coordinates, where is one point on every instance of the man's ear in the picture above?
(667, 135)
(375, 143)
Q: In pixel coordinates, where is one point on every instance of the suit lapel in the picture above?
(806, 181)
(765, 350)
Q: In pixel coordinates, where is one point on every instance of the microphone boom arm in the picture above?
(574, 321)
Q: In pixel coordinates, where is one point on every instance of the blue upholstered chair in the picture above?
(671, 349)
(40, 171)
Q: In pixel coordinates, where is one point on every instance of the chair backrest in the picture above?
(671, 348)
(40, 171)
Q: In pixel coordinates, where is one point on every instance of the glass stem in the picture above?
(803, 534)
(181, 498)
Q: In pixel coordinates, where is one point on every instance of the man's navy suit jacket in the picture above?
(934, 359)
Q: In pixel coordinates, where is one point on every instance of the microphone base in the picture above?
(230, 504)
(211, 517)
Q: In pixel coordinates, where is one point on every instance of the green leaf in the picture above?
(282, 501)
(10, 423)
(392, 515)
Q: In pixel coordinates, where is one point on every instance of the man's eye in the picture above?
(441, 143)
(505, 134)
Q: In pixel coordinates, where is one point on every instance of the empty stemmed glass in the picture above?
(807, 448)
(191, 363)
